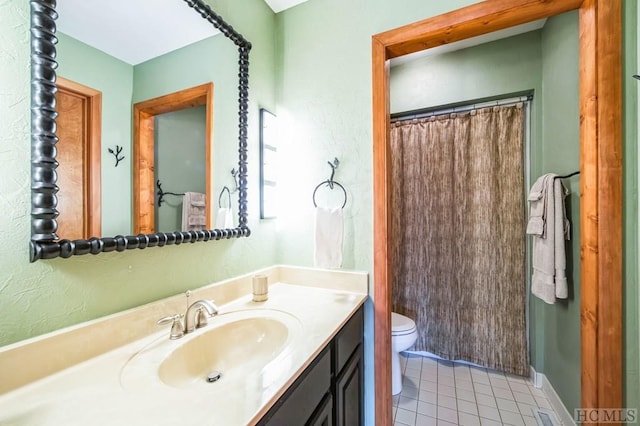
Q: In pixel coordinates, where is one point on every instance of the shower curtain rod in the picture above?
(431, 112)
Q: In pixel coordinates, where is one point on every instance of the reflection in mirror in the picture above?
(88, 57)
(172, 145)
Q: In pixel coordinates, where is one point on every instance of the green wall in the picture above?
(631, 293)
(180, 162)
(557, 327)
(91, 67)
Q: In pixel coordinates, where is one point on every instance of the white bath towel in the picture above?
(193, 211)
(224, 218)
(328, 237)
(549, 226)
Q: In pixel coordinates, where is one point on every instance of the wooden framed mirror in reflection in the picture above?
(186, 47)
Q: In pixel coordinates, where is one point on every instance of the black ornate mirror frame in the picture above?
(44, 241)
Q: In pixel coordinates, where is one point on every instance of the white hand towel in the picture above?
(224, 218)
(328, 237)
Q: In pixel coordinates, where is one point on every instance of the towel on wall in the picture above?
(329, 229)
(224, 218)
(193, 211)
(549, 226)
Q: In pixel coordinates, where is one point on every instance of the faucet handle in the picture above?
(177, 328)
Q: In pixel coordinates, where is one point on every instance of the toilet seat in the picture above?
(401, 325)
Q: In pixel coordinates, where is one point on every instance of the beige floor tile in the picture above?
(406, 417)
(428, 396)
(425, 420)
(447, 414)
(446, 390)
(408, 403)
(511, 418)
(506, 404)
(427, 409)
(465, 419)
(526, 409)
(519, 387)
(499, 383)
(503, 393)
(526, 398)
(447, 401)
(467, 407)
(466, 395)
(489, 412)
(488, 400)
(481, 388)
(464, 384)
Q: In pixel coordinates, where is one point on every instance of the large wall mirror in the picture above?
(156, 101)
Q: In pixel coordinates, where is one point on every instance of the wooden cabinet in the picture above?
(330, 391)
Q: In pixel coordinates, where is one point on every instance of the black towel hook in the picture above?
(330, 182)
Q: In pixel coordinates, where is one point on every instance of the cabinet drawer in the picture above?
(348, 339)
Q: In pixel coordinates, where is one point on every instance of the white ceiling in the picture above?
(280, 5)
(135, 31)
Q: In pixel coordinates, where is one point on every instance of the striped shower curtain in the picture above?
(458, 221)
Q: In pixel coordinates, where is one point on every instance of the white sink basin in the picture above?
(236, 345)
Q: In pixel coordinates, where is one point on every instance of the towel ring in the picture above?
(330, 184)
(221, 194)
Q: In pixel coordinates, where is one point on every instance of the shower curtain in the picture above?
(458, 221)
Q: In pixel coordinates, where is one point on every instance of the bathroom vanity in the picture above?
(296, 358)
(330, 391)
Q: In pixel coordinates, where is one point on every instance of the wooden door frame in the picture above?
(92, 156)
(144, 185)
(600, 73)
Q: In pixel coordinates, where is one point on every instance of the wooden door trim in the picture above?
(144, 185)
(600, 165)
(92, 164)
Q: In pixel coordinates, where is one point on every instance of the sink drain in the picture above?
(214, 376)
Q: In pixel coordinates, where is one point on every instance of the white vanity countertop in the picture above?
(96, 391)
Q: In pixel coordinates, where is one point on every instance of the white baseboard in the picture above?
(540, 381)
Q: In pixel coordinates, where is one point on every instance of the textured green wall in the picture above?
(631, 293)
(557, 327)
(89, 66)
(46, 295)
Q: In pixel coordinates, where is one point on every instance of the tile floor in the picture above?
(443, 393)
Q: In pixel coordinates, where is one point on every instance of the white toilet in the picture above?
(403, 336)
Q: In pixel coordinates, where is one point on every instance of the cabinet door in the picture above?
(300, 402)
(349, 392)
(324, 414)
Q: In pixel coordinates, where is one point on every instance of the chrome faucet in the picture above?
(195, 317)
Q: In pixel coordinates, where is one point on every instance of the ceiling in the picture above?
(139, 30)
